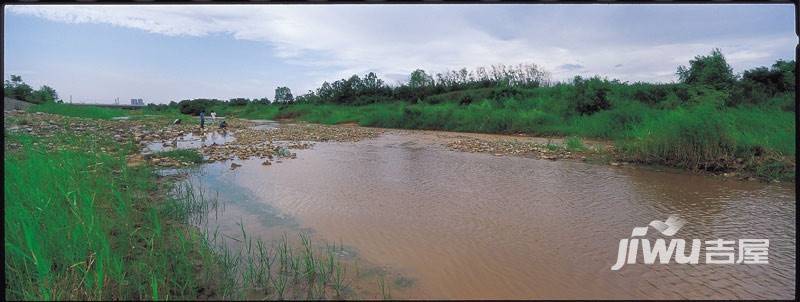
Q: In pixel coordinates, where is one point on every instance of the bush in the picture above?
(590, 96)
(194, 107)
(238, 102)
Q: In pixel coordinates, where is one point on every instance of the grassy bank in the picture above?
(756, 140)
(93, 112)
(79, 223)
(695, 136)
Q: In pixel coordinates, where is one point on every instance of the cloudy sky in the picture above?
(168, 52)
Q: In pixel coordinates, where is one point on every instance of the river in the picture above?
(467, 225)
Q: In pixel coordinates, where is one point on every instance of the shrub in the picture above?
(590, 96)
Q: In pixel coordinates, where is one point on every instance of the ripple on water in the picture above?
(476, 226)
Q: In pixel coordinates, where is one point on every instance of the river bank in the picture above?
(88, 217)
(470, 225)
(241, 157)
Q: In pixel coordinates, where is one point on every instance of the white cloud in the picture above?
(395, 40)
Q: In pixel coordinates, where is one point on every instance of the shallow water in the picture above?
(464, 225)
(192, 140)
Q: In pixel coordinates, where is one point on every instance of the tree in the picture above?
(17, 89)
(372, 83)
(238, 101)
(283, 95)
(419, 78)
(712, 70)
(45, 94)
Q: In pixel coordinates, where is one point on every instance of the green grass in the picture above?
(79, 224)
(92, 112)
(184, 155)
(699, 133)
(574, 143)
(76, 229)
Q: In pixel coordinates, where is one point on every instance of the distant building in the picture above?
(137, 102)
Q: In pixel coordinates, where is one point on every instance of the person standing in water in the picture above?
(213, 117)
(202, 118)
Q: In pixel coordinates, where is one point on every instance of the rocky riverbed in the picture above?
(249, 140)
(247, 143)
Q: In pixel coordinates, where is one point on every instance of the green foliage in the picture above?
(238, 102)
(45, 94)
(574, 143)
(712, 70)
(283, 95)
(419, 78)
(684, 137)
(83, 111)
(760, 84)
(75, 227)
(17, 89)
(590, 96)
(194, 107)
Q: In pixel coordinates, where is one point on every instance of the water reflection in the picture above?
(192, 140)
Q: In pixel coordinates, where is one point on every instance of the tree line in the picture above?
(17, 88)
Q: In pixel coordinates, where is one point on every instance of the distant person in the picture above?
(223, 124)
(202, 119)
(213, 117)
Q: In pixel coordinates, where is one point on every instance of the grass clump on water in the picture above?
(183, 155)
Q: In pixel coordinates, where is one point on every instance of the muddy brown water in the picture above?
(464, 225)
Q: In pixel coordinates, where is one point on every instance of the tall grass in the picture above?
(684, 137)
(92, 112)
(79, 224)
(696, 132)
(70, 224)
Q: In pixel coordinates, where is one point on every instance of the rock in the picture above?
(266, 163)
(614, 163)
(135, 160)
(235, 165)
